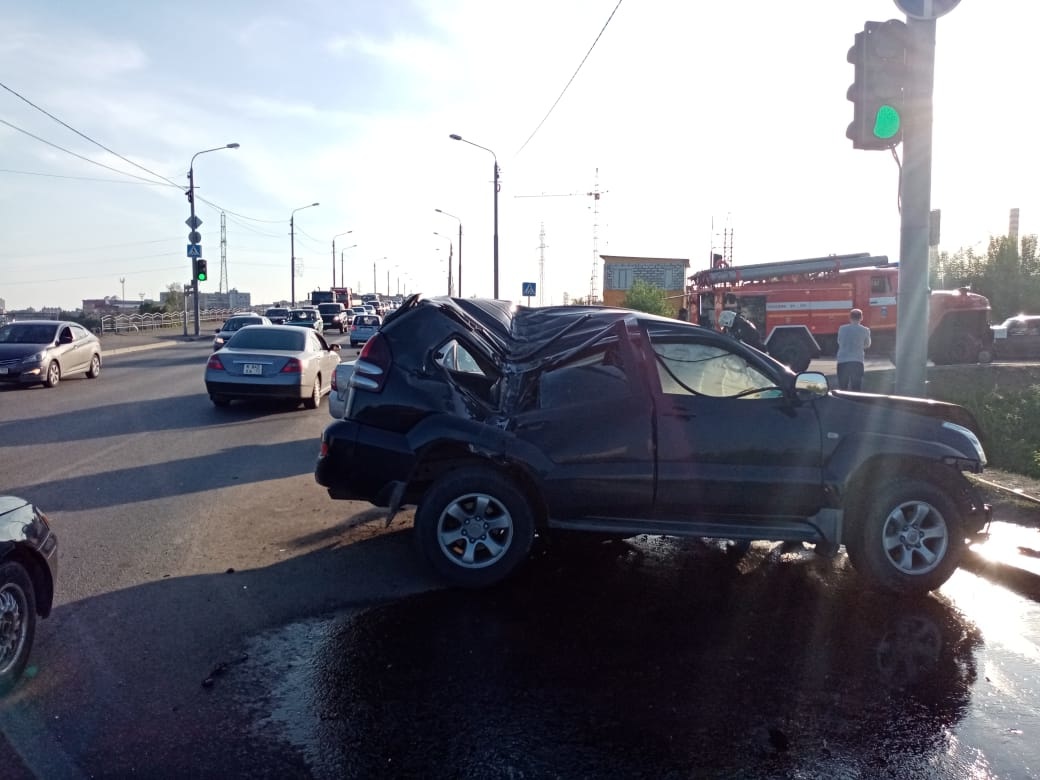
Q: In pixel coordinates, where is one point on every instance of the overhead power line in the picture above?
(85, 136)
(551, 108)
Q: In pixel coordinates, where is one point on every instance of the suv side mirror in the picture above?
(811, 384)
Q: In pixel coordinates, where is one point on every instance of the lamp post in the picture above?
(193, 224)
(292, 250)
(334, 257)
(451, 287)
(342, 278)
(457, 137)
(459, 280)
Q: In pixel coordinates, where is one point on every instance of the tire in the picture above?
(474, 527)
(791, 352)
(315, 397)
(17, 622)
(910, 539)
(95, 367)
(961, 348)
(220, 401)
(53, 374)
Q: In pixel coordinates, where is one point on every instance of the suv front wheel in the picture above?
(474, 526)
(911, 538)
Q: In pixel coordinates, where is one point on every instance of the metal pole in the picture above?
(387, 282)
(194, 276)
(496, 225)
(184, 307)
(292, 253)
(333, 262)
(460, 258)
(915, 195)
(341, 276)
(374, 287)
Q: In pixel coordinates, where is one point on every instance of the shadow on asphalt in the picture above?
(657, 658)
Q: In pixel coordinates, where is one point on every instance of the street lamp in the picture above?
(457, 137)
(451, 287)
(292, 249)
(445, 213)
(342, 278)
(334, 257)
(193, 225)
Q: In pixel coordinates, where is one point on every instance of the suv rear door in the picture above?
(730, 440)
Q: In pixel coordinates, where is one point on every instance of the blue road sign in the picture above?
(529, 289)
(194, 250)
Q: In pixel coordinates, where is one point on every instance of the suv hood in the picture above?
(926, 407)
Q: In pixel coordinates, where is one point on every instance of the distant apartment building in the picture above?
(232, 299)
(668, 274)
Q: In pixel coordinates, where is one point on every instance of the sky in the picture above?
(693, 120)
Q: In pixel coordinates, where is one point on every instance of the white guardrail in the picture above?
(130, 323)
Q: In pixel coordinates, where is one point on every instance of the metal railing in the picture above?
(132, 323)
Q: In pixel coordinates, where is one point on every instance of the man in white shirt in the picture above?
(853, 342)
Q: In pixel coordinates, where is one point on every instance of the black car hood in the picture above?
(9, 351)
(926, 407)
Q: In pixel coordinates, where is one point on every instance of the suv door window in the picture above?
(689, 368)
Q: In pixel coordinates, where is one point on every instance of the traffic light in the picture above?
(879, 56)
(200, 270)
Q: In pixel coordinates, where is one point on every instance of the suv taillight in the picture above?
(372, 365)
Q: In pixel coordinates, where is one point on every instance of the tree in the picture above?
(643, 296)
(1008, 274)
(174, 298)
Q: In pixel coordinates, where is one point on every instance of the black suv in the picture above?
(502, 422)
(334, 316)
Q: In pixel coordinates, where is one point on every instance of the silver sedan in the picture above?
(272, 361)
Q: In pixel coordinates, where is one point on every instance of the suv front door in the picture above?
(730, 440)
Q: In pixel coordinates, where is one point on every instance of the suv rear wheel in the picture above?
(474, 526)
(910, 539)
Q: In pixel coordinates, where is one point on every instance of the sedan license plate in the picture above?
(252, 368)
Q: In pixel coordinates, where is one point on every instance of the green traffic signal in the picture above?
(887, 123)
(200, 270)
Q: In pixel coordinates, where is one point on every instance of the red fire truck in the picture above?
(798, 306)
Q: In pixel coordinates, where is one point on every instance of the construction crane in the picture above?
(595, 195)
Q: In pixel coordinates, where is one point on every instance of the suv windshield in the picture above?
(330, 308)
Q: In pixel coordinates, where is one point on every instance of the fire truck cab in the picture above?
(798, 306)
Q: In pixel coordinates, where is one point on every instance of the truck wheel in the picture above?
(17, 622)
(960, 348)
(910, 539)
(474, 527)
(791, 351)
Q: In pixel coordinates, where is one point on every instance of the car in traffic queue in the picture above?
(500, 422)
(277, 315)
(28, 573)
(233, 324)
(1017, 337)
(272, 361)
(364, 327)
(43, 352)
(306, 317)
(333, 316)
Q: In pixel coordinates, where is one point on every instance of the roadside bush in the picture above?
(1009, 419)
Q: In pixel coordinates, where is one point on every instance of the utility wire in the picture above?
(80, 156)
(593, 46)
(82, 178)
(110, 151)
(85, 136)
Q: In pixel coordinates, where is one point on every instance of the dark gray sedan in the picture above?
(272, 361)
(45, 351)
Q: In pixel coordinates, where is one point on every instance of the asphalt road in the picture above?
(218, 615)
